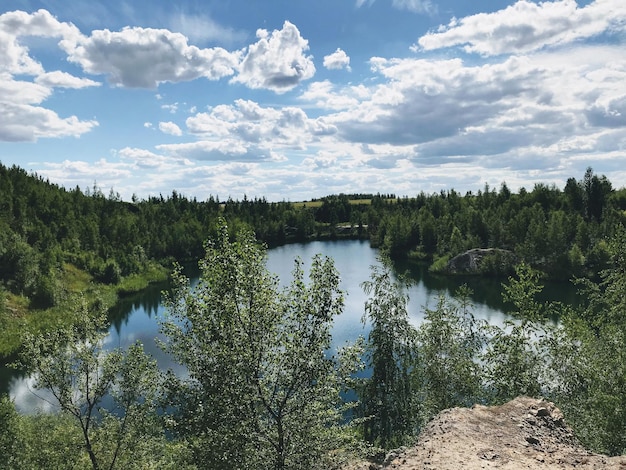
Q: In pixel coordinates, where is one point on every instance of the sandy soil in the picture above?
(525, 433)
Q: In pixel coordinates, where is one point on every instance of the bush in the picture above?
(112, 274)
(440, 264)
(47, 292)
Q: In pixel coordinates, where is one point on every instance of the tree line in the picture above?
(56, 241)
(264, 390)
(43, 227)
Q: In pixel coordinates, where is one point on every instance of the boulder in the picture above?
(473, 261)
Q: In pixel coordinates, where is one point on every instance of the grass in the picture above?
(18, 317)
(137, 282)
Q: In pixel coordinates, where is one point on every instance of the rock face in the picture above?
(471, 261)
(525, 433)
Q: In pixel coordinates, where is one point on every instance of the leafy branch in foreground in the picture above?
(72, 364)
(263, 391)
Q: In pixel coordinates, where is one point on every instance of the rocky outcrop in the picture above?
(481, 260)
(525, 433)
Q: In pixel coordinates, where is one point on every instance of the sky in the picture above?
(292, 100)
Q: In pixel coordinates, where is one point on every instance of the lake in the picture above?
(136, 318)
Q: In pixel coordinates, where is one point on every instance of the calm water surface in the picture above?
(136, 318)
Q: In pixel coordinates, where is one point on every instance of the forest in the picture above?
(44, 228)
(263, 390)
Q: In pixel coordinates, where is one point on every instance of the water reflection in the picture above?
(136, 318)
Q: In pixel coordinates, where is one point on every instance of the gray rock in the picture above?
(470, 262)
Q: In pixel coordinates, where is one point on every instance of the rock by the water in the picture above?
(472, 261)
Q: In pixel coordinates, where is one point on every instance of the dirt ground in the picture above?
(525, 433)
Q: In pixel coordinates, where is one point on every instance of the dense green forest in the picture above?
(262, 387)
(55, 241)
(264, 390)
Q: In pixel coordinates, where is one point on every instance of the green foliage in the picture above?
(450, 340)
(262, 391)
(10, 439)
(111, 273)
(43, 227)
(71, 363)
(513, 357)
(498, 264)
(440, 264)
(50, 441)
(589, 358)
(54, 441)
(262, 387)
(388, 402)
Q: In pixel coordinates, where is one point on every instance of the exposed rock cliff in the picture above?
(480, 260)
(525, 433)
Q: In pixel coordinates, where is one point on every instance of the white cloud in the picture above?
(429, 123)
(22, 122)
(526, 26)
(337, 60)
(22, 92)
(277, 62)
(40, 23)
(145, 159)
(329, 96)
(170, 128)
(225, 150)
(172, 108)
(248, 122)
(449, 112)
(145, 57)
(58, 79)
(14, 25)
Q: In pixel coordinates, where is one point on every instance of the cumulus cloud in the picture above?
(337, 60)
(251, 123)
(22, 122)
(327, 95)
(277, 61)
(425, 100)
(15, 25)
(137, 57)
(170, 128)
(526, 26)
(22, 92)
(144, 57)
(451, 112)
(227, 150)
(146, 159)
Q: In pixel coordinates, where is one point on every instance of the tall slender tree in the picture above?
(263, 391)
(388, 398)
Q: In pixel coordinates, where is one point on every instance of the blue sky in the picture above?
(291, 100)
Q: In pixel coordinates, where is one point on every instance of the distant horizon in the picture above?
(87, 190)
(299, 100)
